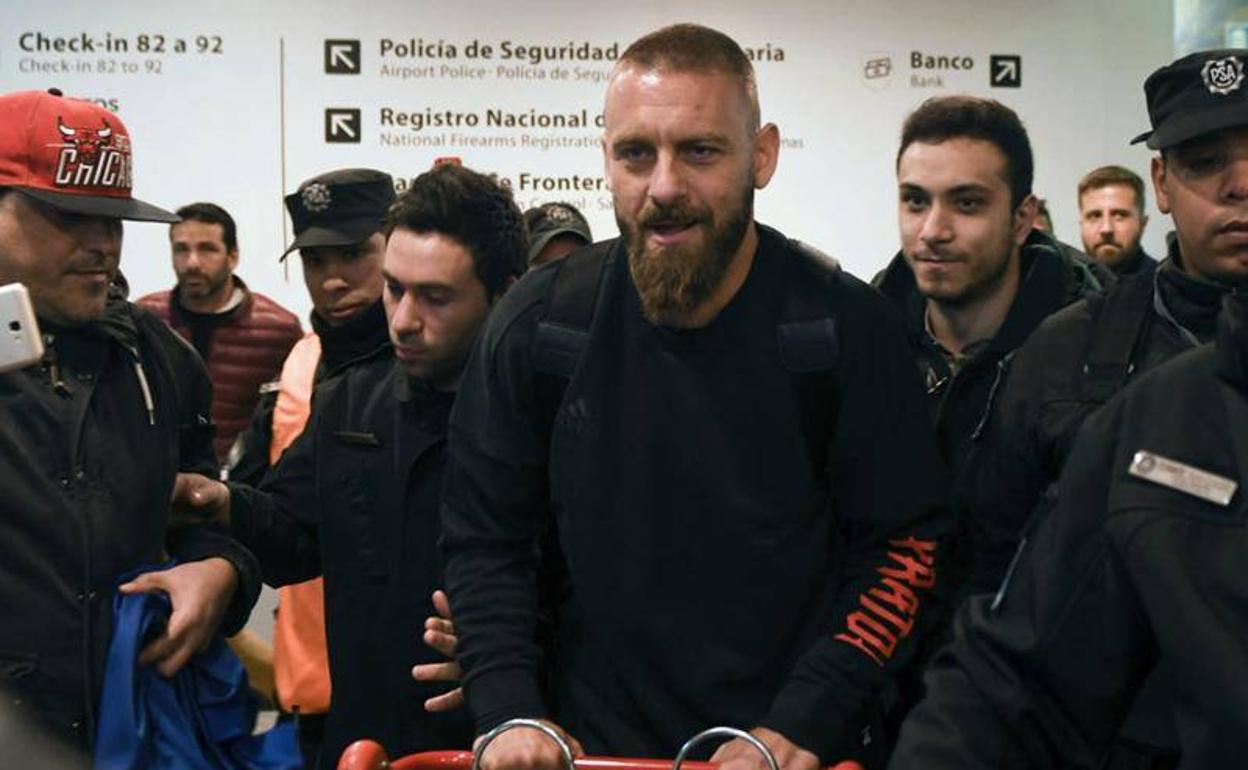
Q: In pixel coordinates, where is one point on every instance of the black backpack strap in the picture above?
(563, 331)
(1117, 327)
(810, 346)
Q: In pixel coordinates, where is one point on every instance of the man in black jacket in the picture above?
(973, 278)
(337, 218)
(92, 437)
(1075, 362)
(356, 497)
(727, 435)
(1112, 219)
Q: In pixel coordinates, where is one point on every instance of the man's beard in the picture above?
(210, 284)
(673, 281)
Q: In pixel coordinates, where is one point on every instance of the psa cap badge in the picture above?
(1223, 76)
(315, 197)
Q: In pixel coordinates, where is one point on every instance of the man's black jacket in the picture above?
(360, 339)
(91, 440)
(1129, 568)
(1050, 279)
(355, 499)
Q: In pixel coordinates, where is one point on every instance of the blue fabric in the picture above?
(201, 719)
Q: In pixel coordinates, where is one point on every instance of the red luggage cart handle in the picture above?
(369, 755)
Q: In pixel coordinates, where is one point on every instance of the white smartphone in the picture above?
(21, 344)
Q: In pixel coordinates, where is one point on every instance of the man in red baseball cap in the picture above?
(92, 436)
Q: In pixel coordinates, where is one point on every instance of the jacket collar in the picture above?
(362, 337)
(1189, 302)
(1049, 280)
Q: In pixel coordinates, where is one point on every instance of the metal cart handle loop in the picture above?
(550, 732)
(725, 732)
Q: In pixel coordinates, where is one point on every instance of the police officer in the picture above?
(1134, 564)
(1079, 358)
(355, 497)
(337, 218)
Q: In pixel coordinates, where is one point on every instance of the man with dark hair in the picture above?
(337, 218)
(1118, 574)
(355, 497)
(1112, 219)
(1083, 356)
(973, 277)
(243, 336)
(92, 436)
(555, 230)
(728, 437)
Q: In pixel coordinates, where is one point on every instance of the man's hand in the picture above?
(739, 755)
(200, 592)
(197, 499)
(440, 635)
(527, 749)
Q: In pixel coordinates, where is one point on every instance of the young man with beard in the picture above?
(729, 439)
(355, 497)
(1112, 219)
(93, 435)
(973, 277)
(243, 336)
(1140, 562)
(1081, 357)
(338, 218)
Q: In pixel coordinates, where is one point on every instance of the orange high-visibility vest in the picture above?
(300, 658)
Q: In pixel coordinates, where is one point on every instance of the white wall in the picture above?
(241, 126)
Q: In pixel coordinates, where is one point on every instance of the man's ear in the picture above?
(766, 154)
(1024, 218)
(1161, 175)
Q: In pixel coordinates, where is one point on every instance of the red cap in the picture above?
(70, 154)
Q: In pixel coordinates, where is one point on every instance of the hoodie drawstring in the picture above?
(143, 385)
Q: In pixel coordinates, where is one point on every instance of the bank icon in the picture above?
(1005, 70)
(877, 69)
(342, 57)
(342, 125)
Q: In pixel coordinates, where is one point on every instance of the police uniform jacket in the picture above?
(1141, 560)
(91, 440)
(355, 499)
(1059, 377)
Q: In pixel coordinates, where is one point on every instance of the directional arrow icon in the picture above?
(1005, 70)
(342, 57)
(342, 125)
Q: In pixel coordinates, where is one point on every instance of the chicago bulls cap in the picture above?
(70, 154)
(1196, 95)
(339, 208)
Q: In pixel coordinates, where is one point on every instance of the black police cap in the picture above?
(1196, 95)
(339, 208)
